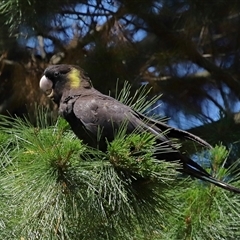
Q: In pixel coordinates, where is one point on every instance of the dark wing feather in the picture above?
(110, 114)
(102, 115)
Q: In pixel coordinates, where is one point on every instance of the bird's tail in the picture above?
(197, 171)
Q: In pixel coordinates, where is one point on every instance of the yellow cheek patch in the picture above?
(74, 78)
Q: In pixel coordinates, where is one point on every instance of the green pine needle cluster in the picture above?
(57, 188)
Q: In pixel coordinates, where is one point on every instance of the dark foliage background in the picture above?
(186, 50)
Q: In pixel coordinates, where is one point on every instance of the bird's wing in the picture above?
(110, 114)
(104, 112)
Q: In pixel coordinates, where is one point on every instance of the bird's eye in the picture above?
(56, 74)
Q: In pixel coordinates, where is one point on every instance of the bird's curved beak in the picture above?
(46, 85)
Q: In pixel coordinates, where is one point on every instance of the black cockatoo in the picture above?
(95, 117)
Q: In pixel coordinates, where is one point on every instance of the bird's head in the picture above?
(57, 79)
